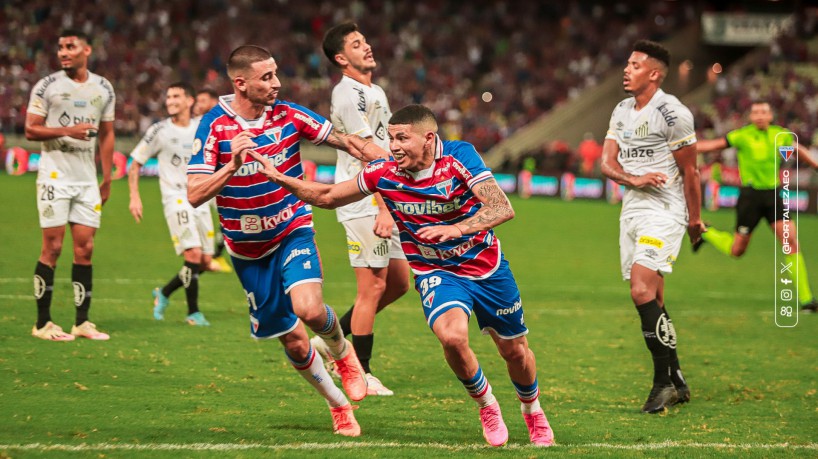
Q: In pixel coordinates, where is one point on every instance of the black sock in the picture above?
(363, 347)
(173, 284)
(81, 276)
(675, 369)
(43, 289)
(346, 322)
(189, 276)
(219, 245)
(655, 331)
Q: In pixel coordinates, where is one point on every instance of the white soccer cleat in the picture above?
(51, 332)
(374, 386)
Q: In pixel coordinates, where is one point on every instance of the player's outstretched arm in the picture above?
(611, 168)
(318, 194)
(706, 146)
(686, 160)
(135, 205)
(362, 149)
(496, 210)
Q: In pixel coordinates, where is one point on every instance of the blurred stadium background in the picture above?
(531, 84)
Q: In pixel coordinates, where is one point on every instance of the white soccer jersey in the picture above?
(647, 139)
(358, 109)
(173, 146)
(64, 102)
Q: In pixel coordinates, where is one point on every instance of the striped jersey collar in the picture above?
(225, 102)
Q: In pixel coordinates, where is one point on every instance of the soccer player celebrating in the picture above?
(759, 198)
(360, 107)
(445, 202)
(651, 149)
(268, 231)
(191, 230)
(67, 110)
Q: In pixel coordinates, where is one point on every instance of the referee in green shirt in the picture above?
(756, 150)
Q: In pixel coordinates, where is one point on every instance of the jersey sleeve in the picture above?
(110, 101)
(611, 134)
(471, 168)
(346, 109)
(38, 102)
(311, 125)
(369, 176)
(733, 137)
(681, 133)
(147, 146)
(205, 151)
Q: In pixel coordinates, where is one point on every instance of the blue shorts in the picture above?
(495, 300)
(267, 282)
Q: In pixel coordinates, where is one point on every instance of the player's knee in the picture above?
(454, 342)
(400, 286)
(84, 249)
(314, 315)
(513, 353)
(641, 294)
(52, 250)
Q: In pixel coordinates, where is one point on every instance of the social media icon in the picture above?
(786, 281)
(786, 294)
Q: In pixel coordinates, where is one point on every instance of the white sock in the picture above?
(333, 335)
(314, 372)
(486, 399)
(528, 408)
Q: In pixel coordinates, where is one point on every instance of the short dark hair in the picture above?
(654, 50)
(75, 33)
(413, 114)
(334, 40)
(184, 86)
(209, 91)
(243, 57)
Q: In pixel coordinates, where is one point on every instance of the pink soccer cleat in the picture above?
(539, 431)
(353, 377)
(89, 330)
(344, 422)
(494, 429)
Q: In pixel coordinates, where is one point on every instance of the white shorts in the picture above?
(58, 205)
(367, 250)
(653, 242)
(189, 227)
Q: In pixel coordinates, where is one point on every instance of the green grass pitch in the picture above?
(165, 389)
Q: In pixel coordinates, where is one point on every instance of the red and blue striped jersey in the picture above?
(441, 194)
(256, 214)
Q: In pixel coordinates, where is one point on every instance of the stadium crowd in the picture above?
(446, 55)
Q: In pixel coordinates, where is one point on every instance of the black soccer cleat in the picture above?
(810, 308)
(698, 244)
(683, 393)
(659, 399)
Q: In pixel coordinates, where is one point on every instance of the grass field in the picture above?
(165, 389)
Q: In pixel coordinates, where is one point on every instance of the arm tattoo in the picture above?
(496, 208)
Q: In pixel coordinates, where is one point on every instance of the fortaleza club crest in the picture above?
(786, 152)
